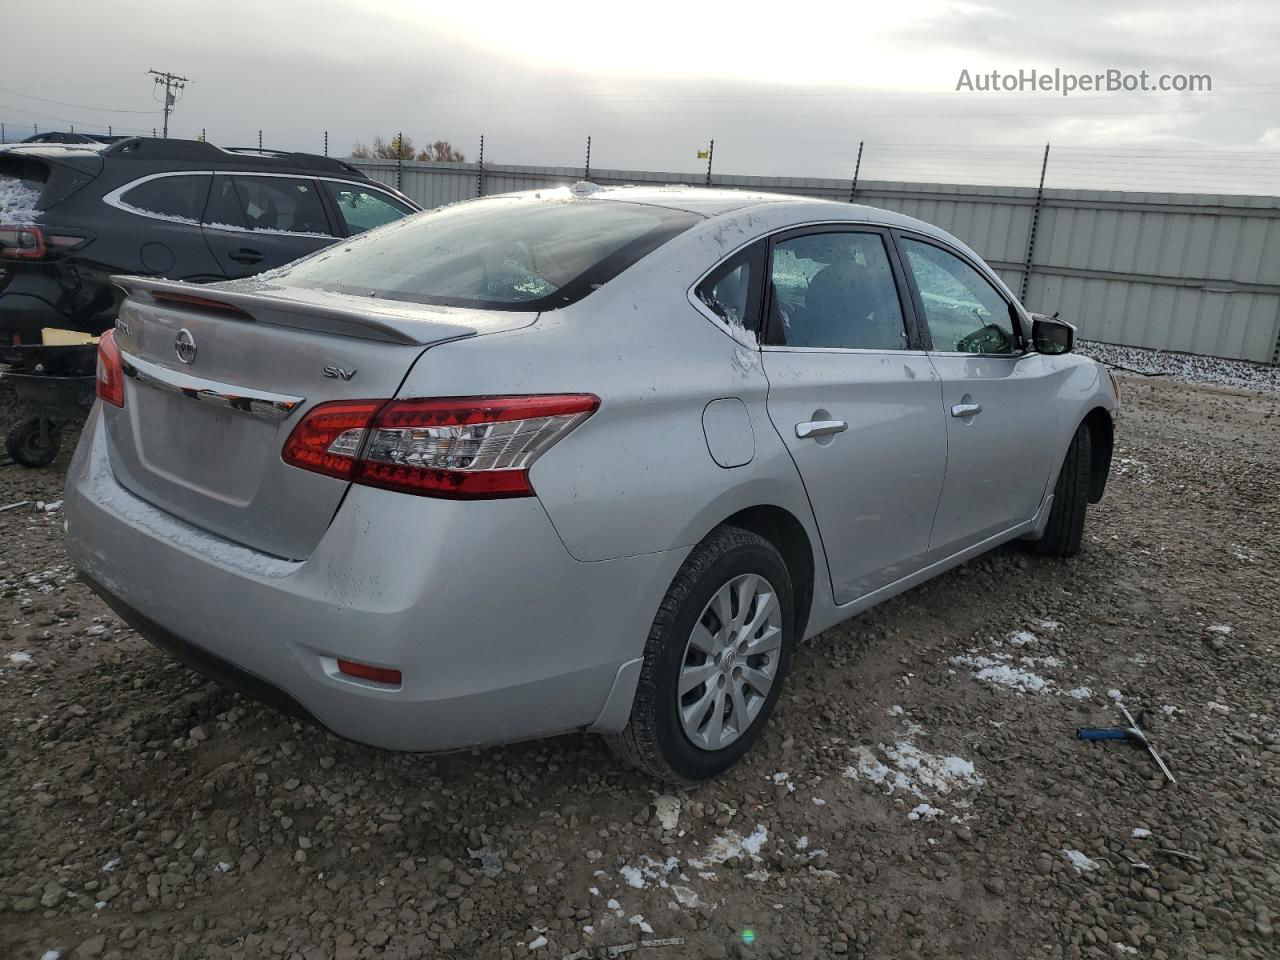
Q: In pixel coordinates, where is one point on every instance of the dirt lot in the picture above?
(920, 792)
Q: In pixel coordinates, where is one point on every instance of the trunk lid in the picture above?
(217, 379)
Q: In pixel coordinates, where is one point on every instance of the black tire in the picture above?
(654, 739)
(25, 447)
(1065, 529)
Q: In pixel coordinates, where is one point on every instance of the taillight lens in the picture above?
(457, 447)
(22, 243)
(329, 437)
(110, 379)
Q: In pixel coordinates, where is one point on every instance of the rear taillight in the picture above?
(22, 243)
(35, 243)
(458, 447)
(329, 437)
(110, 381)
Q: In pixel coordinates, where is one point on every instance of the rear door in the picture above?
(997, 398)
(161, 236)
(255, 222)
(854, 398)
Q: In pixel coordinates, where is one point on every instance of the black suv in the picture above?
(71, 216)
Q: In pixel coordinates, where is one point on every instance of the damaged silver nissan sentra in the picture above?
(584, 459)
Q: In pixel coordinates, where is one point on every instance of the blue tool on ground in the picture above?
(1134, 733)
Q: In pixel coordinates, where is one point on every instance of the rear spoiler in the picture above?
(344, 316)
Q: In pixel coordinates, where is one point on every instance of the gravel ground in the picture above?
(1187, 367)
(920, 792)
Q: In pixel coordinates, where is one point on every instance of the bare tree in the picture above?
(442, 151)
(402, 148)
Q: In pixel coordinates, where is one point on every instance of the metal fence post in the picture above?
(586, 173)
(480, 170)
(326, 143)
(857, 169)
(399, 158)
(259, 139)
(1035, 221)
(711, 152)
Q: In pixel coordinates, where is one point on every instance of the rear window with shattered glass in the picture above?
(498, 253)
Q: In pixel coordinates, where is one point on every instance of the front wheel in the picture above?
(715, 661)
(1065, 528)
(32, 446)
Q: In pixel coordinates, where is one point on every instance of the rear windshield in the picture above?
(21, 183)
(503, 253)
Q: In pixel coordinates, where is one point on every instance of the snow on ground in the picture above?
(1187, 367)
(733, 844)
(1080, 861)
(18, 201)
(649, 871)
(1018, 671)
(904, 767)
(1002, 672)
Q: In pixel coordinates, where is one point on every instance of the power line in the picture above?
(79, 106)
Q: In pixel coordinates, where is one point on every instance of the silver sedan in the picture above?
(579, 459)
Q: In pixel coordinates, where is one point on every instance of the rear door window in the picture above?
(179, 197)
(835, 290)
(363, 208)
(269, 204)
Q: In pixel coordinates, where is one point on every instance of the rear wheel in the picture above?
(31, 446)
(714, 665)
(1065, 528)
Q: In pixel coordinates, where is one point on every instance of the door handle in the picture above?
(245, 255)
(966, 409)
(820, 428)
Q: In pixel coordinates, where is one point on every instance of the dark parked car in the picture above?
(73, 215)
(57, 136)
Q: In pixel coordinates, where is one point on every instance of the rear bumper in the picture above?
(499, 633)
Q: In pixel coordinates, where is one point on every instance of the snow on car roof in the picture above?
(712, 202)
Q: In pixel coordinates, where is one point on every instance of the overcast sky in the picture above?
(784, 88)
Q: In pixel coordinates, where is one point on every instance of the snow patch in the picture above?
(1141, 833)
(784, 780)
(1002, 672)
(905, 767)
(537, 943)
(19, 658)
(732, 844)
(1221, 629)
(18, 200)
(1080, 693)
(923, 812)
(649, 871)
(1080, 861)
(639, 921)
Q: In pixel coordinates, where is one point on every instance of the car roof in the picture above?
(712, 202)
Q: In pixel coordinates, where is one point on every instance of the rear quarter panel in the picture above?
(638, 476)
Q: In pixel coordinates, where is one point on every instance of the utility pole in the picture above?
(173, 85)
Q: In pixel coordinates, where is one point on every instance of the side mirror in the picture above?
(1050, 336)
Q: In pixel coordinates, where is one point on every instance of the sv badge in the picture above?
(338, 373)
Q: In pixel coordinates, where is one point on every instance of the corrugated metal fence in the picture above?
(1193, 273)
